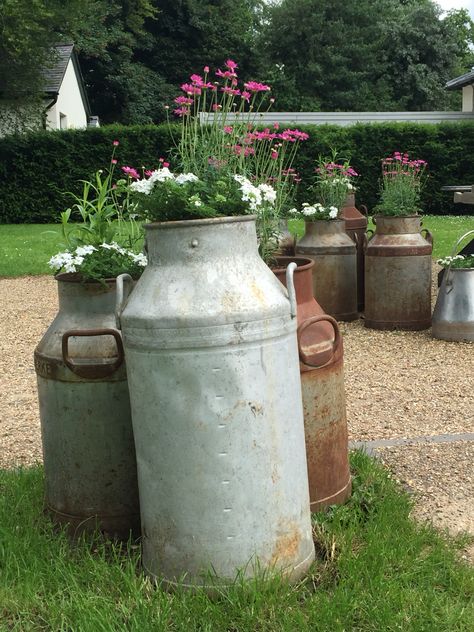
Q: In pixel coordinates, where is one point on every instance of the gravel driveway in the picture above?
(409, 399)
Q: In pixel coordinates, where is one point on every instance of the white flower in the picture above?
(139, 258)
(333, 212)
(309, 210)
(142, 186)
(186, 177)
(268, 193)
(60, 260)
(197, 203)
(82, 251)
(293, 211)
(160, 175)
(114, 246)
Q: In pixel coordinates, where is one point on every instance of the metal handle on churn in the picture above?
(307, 323)
(92, 370)
(290, 285)
(121, 281)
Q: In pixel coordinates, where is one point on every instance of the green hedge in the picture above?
(36, 168)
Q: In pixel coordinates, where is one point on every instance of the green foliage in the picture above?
(36, 168)
(364, 55)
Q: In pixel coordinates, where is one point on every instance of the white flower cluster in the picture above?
(146, 185)
(340, 180)
(71, 261)
(256, 196)
(447, 261)
(315, 210)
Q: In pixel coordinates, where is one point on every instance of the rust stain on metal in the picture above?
(287, 544)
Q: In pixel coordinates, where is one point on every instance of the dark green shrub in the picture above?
(37, 168)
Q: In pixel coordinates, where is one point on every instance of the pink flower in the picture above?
(206, 69)
(183, 100)
(231, 91)
(197, 79)
(245, 95)
(148, 173)
(216, 107)
(249, 151)
(190, 89)
(131, 172)
(181, 111)
(115, 143)
(276, 125)
(255, 86)
(237, 149)
(228, 129)
(227, 74)
(274, 155)
(231, 65)
(114, 161)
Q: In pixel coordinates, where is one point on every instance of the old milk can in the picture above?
(398, 275)
(335, 269)
(453, 315)
(212, 361)
(86, 426)
(322, 383)
(356, 226)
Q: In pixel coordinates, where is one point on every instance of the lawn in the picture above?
(375, 570)
(27, 248)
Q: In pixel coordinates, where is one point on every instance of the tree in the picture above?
(363, 54)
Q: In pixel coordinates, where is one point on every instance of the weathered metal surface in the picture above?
(86, 427)
(398, 275)
(335, 269)
(286, 240)
(324, 403)
(453, 315)
(356, 226)
(216, 403)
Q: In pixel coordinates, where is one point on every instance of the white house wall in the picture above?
(69, 104)
(468, 99)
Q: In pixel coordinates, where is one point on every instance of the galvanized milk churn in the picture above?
(335, 269)
(453, 315)
(398, 275)
(356, 226)
(212, 362)
(86, 426)
(322, 382)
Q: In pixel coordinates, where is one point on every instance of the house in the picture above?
(65, 104)
(466, 82)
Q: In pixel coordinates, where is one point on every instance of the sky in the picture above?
(446, 5)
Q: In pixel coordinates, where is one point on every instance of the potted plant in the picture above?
(453, 315)
(210, 341)
(88, 449)
(325, 240)
(398, 257)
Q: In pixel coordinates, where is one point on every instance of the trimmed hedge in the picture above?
(37, 168)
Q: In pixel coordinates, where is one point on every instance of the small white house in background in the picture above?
(466, 82)
(67, 106)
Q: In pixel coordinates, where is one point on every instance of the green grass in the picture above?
(376, 571)
(27, 248)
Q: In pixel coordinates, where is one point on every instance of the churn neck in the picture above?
(192, 240)
(91, 297)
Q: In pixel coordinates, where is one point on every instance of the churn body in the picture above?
(216, 405)
(86, 426)
(335, 269)
(398, 275)
(356, 227)
(322, 383)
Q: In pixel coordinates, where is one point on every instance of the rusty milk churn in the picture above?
(86, 425)
(356, 226)
(453, 315)
(212, 361)
(322, 384)
(335, 269)
(398, 274)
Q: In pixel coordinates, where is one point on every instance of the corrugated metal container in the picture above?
(212, 360)
(398, 275)
(322, 383)
(453, 315)
(335, 269)
(356, 226)
(86, 425)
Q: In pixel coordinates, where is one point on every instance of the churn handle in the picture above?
(365, 240)
(122, 280)
(92, 371)
(291, 287)
(449, 281)
(365, 210)
(307, 323)
(428, 235)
